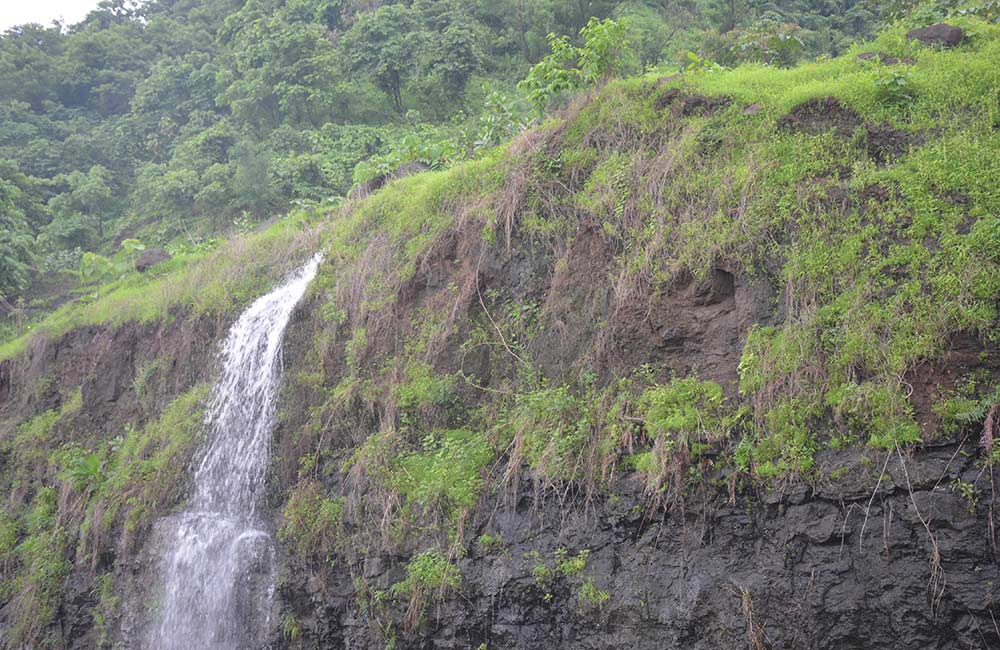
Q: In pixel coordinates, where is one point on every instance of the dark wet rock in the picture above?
(940, 34)
(686, 580)
(77, 627)
(103, 363)
(150, 258)
(5, 368)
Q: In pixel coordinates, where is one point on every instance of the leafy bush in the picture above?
(770, 41)
(429, 576)
(551, 429)
(447, 473)
(893, 85)
(97, 268)
(590, 597)
(567, 67)
(428, 572)
(880, 410)
(85, 471)
(421, 392)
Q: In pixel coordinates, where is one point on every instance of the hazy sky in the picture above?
(18, 12)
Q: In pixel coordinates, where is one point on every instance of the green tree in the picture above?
(253, 184)
(385, 44)
(80, 211)
(457, 54)
(15, 243)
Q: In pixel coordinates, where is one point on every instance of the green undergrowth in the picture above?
(312, 522)
(143, 472)
(430, 390)
(570, 568)
(70, 500)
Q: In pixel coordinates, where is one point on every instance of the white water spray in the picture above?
(219, 567)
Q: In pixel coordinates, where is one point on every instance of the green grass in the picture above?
(35, 588)
(206, 283)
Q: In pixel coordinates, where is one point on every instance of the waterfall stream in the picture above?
(218, 570)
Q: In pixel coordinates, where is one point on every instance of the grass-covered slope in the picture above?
(692, 280)
(216, 282)
(869, 208)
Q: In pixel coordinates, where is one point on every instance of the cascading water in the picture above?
(219, 567)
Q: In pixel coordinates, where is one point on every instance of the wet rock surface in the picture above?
(846, 564)
(125, 373)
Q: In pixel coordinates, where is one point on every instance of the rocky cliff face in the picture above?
(906, 561)
(875, 549)
(885, 551)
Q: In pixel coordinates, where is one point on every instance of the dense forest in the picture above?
(172, 121)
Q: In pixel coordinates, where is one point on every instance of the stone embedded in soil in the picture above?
(821, 114)
(151, 258)
(940, 34)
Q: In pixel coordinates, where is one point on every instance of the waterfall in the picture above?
(218, 571)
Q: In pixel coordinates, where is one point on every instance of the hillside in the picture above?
(173, 124)
(705, 359)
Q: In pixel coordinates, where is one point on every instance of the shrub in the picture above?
(589, 596)
(428, 575)
(880, 410)
(446, 474)
(312, 523)
(682, 419)
(892, 85)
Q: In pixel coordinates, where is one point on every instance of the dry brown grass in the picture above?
(756, 639)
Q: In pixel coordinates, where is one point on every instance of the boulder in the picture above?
(151, 257)
(940, 34)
